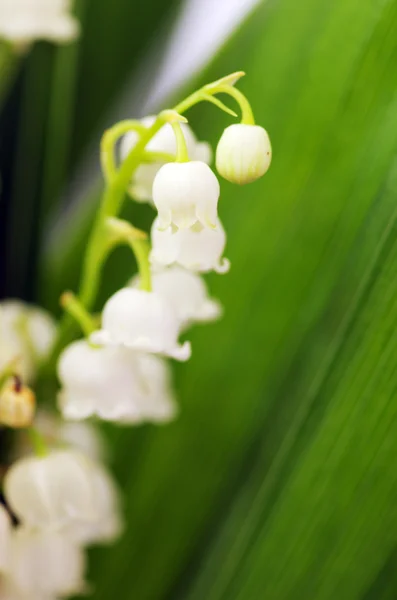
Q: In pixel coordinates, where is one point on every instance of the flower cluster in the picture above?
(62, 496)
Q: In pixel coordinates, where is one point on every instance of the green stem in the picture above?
(141, 249)
(117, 183)
(150, 157)
(75, 309)
(38, 442)
(182, 154)
(7, 372)
(109, 140)
(247, 116)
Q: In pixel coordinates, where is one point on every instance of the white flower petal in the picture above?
(186, 292)
(198, 249)
(185, 194)
(164, 141)
(142, 321)
(5, 536)
(57, 433)
(114, 384)
(24, 21)
(63, 492)
(44, 565)
(26, 335)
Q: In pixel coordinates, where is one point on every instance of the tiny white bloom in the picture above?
(187, 293)
(185, 194)
(26, 336)
(244, 153)
(43, 565)
(24, 21)
(141, 321)
(83, 436)
(65, 492)
(198, 248)
(114, 383)
(163, 141)
(5, 537)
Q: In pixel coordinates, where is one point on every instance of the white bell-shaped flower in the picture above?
(5, 537)
(43, 565)
(66, 492)
(244, 153)
(26, 336)
(185, 194)
(141, 321)
(198, 249)
(114, 383)
(187, 293)
(24, 21)
(163, 141)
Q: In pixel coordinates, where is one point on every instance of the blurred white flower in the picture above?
(8, 591)
(58, 433)
(65, 492)
(198, 248)
(26, 336)
(115, 384)
(163, 141)
(244, 153)
(43, 565)
(141, 321)
(187, 293)
(185, 194)
(5, 534)
(24, 21)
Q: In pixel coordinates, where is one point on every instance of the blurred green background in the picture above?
(279, 478)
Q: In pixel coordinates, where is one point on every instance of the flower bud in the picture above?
(244, 153)
(17, 404)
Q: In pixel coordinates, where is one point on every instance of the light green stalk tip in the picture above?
(75, 309)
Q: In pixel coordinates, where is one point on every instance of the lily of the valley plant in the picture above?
(58, 495)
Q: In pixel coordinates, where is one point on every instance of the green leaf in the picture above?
(278, 479)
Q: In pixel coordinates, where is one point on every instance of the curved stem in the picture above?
(38, 442)
(150, 157)
(141, 250)
(182, 154)
(117, 183)
(76, 310)
(108, 142)
(247, 116)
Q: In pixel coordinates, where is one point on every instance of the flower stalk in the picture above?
(117, 181)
